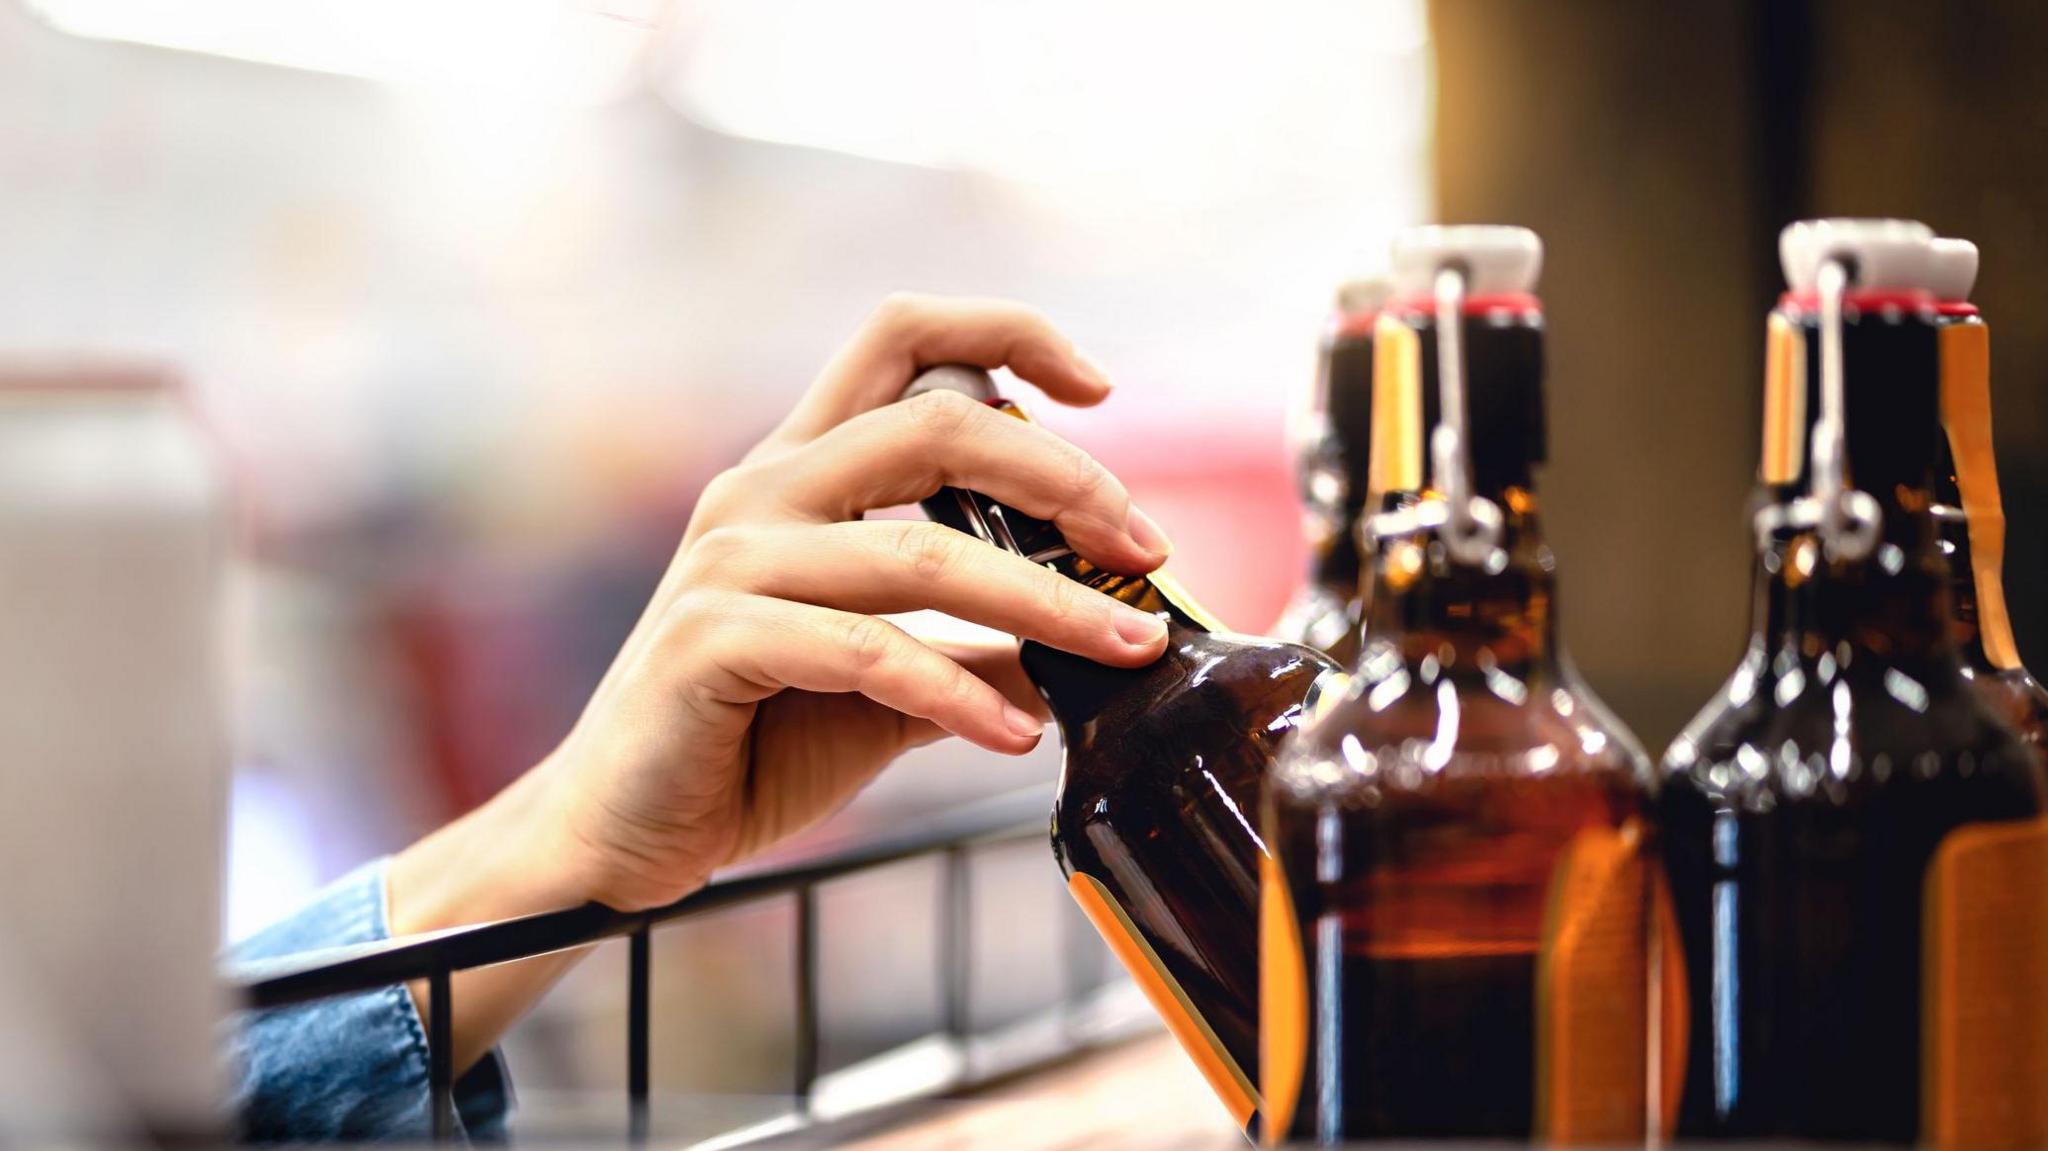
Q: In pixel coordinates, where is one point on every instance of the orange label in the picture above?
(1283, 1002)
(1672, 1009)
(1593, 993)
(1225, 1077)
(1966, 413)
(1984, 1063)
(1178, 595)
(1784, 402)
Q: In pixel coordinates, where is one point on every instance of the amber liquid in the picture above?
(1427, 909)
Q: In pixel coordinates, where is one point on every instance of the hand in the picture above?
(760, 690)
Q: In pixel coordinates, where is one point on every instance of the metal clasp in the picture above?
(1471, 526)
(1847, 520)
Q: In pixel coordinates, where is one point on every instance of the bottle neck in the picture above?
(1485, 619)
(1334, 462)
(1967, 623)
(1335, 559)
(1953, 531)
(1894, 601)
(1076, 689)
(1893, 604)
(1422, 604)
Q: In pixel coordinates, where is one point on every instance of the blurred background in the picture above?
(475, 296)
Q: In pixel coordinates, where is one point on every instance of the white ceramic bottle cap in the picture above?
(1955, 267)
(1364, 294)
(1888, 255)
(1496, 258)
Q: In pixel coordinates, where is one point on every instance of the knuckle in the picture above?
(867, 642)
(1086, 478)
(931, 552)
(693, 619)
(719, 550)
(1062, 598)
(962, 689)
(723, 495)
(1032, 322)
(899, 314)
(942, 416)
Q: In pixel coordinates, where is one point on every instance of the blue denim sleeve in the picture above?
(353, 1067)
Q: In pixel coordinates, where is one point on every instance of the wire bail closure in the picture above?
(1471, 526)
(1847, 520)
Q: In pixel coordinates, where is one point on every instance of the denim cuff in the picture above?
(353, 1067)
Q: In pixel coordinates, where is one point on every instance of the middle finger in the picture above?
(909, 450)
(905, 565)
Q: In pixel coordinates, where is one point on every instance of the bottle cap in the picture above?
(968, 380)
(1497, 259)
(1955, 267)
(1363, 295)
(1887, 255)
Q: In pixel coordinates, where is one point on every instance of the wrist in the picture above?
(504, 859)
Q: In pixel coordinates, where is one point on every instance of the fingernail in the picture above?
(1022, 722)
(1147, 533)
(1092, 368)
(1138, 628)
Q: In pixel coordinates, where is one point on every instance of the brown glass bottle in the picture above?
(1456, 924)
(1856, 846)
(1154, 822)
(1336, 443)
(1968, 511)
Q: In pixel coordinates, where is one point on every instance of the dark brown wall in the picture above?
(1658, 149)
(1940, 112)
(1622, 137)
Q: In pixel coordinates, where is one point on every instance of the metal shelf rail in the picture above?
(1012, 817)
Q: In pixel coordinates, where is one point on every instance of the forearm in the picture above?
(503, 860)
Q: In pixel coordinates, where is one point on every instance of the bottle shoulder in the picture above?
(1319, 617)
(1216, 702)
(1795, 729)
(1260, 674)
(1414, 726)
(2017, 696)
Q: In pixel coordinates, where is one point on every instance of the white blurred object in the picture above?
(516, 50)
(44, 1080)
(113, 759)
(1139, 100)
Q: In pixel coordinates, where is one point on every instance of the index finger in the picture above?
(910, 333)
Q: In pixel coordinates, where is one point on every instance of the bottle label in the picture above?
(1593, 992)
(1397, 431)
(1178, 596)
(1966, 413)
(1984, 1029)
(1670, 1011)
(1784, 453)
(1283, 1002)
(1164, 992)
